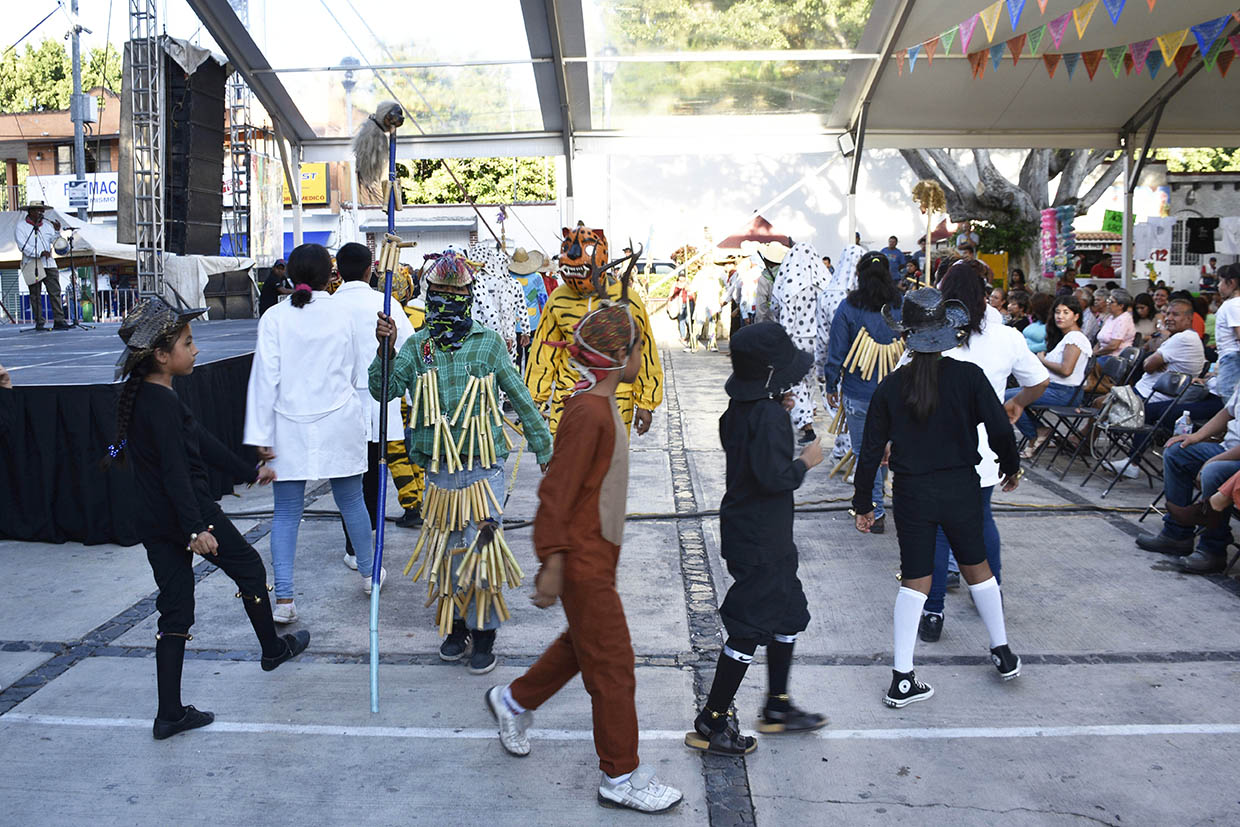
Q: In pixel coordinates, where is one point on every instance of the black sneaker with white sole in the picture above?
(456, 644)
(1005, 661)
(906, 689)
(482, 660)
(931, 627)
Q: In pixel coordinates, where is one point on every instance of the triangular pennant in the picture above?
(977, 60)
(1082, 14)
(1070, 59)
(1183, 56)
(1154, 63)
(1115, 57)
(1128, 63)
(1042, 5)
(1140, 51)
(1235, 42)
(1016, 45)
(900, 58)
(1224, 62)
(1151, 4)
(947, 38)
(996, 54)
(1208, 32)
(1015, 9)
(1114, 8)
(1058, 26)
(1052, 62)
(1210, 57)
(914, 52)
(1091, 60)
(966, 32)
(1170, 43)
(990, 18)
(1035, 39)
(932, 46)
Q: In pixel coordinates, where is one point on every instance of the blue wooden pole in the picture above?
(381, 506)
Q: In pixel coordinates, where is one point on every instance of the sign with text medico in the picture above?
(313, 185)
(56, 190)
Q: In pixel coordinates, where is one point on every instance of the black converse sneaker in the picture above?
(906, 689)
(1005, 661)
(717, 734)
(456, 644)
(780, 716)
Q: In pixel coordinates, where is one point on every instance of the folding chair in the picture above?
(1126, 440)
(1070, 421)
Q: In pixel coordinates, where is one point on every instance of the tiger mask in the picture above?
(583, 253)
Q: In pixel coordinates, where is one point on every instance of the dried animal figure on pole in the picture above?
(370, 146)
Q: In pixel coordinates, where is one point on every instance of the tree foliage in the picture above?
(41, 77)
(1201, 159)
(487, 181)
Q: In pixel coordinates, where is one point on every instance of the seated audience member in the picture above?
(1196, 321)
(1182, 351)
(1067, 360)
(1184, 458)
(1016, 281)
(1095, 314)
(1018, 310)
(1118, 330)
(997, 299)
(1035, 331)
(1143, 316)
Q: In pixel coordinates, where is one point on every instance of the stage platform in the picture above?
(88, 357)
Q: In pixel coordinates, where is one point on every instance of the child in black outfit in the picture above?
(179, 518)
(766, 605)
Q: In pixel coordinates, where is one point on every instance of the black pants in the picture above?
(173, 567)
(924, 502)
(370, 492)
(765, 600)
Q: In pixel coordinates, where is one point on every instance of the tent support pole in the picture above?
(1126, 142)
(855, 171)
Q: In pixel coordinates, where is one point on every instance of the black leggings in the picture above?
(173, 567)
(924, 502)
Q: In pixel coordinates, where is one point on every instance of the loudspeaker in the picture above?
(230, 296)
(194, 153)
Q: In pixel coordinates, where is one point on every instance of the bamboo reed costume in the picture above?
(454, 368)
(550, 376)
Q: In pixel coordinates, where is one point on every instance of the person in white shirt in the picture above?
(1068, 356)
(1000, 351)
(303, 413)
(1182, 351)
(360, 303)
(35, 237)
(1227, 330)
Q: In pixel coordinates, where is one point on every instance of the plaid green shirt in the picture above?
(482, 352)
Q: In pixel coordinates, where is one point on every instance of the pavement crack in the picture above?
(939, 805)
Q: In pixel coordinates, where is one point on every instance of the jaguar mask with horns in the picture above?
(583, 252)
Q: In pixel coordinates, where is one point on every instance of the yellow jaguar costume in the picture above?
(549, 376)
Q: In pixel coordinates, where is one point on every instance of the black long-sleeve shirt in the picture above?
(755, 517)
(170, 453)
(947, 440)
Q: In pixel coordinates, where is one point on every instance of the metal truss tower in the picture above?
(240, 131)
(146, 90)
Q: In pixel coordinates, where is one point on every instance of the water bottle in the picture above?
(1184, 425)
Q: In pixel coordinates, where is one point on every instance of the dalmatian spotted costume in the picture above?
(794, 300)
(495, 303)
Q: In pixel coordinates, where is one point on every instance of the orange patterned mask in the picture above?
(582, 249)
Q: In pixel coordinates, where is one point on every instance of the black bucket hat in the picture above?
(765, 363)
(928, 323)
(144, 328)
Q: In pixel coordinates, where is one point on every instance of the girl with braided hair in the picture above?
(170, 452)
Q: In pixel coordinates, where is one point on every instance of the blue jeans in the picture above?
(942, 550)
(1180, 466)
(1228, 374)
(1053, 395)
(455, 480)
(855, 411)
(290, 498)
(685, 321)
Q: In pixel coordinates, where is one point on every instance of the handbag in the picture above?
(1124, 408)
(674, 307)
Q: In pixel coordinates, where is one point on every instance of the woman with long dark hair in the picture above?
(928, 411)
(1067, 357)
(858, 322)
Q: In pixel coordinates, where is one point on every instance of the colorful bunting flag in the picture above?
(1035, 39)
(1082, 15)
(1209, 58)
(1182, 57)
(1091, 60)
(932, 46)
(914, 52)
(947, 38)
(990, 18)
(1016, 45)
(1140, 51)
(1170, 43)
(1208, 32)
(1015, 9)
(1154, 63)
(966, 32)
(1070, 59)
(1151, 3)
(977, 60)
(1042, 5)
(1224, 62)
(996, 54)
(1128, 63)
(1052, 62)
(901, 56)
(1235, 42)
(1114, 8)
(1115, 57)
(1058, 26)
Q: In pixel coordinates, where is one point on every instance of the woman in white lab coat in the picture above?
(302, 412)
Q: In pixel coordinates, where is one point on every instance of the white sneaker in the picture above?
(512, 728)
(1132, 472)
(641, 791)
(350, 560)
(284, 612)
(367, 582)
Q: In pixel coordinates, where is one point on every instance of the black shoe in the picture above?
(780, 716)
(192, 719)
(953, 580)
(931, 628)
(1007, 663)
(807, 436)
(412, 518)
(906, 689)
(61, 326)
(724, 740)
(880, 525)
(456, 644)
(40, 327)
(295, 644)
(1202, 562)
(483, 660)
(1165, 545)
